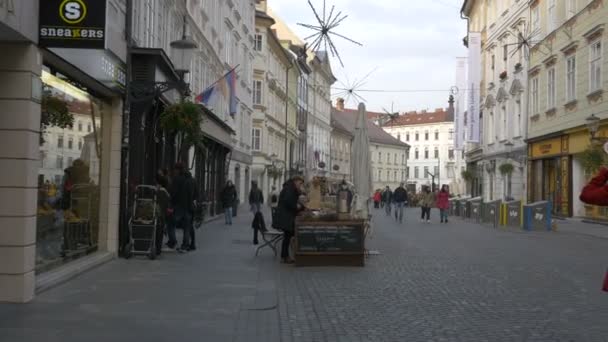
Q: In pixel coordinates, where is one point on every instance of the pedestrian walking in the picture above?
(287, 210)
(274, 202)
(256, 198)
(193, 189)
(387, 197)
(443, 203)
(377, 198)
(426, 201)
(182, 197)
(228, 199)
(400, 200)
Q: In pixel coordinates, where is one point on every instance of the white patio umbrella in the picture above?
(360, 161)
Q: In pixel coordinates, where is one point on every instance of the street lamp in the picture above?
(183, 51)
(593, 125)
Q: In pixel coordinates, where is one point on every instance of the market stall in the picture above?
(333, 230)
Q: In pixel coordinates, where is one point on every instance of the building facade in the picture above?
(60, 129)
(568, 78)
(505, 102)
(319, 116)
(269, 132)
(432, 158)
(388, 154)
(341, 151)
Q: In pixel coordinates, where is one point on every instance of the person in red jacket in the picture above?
(596, 192)
(443, 203)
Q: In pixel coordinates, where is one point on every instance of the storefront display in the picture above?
(69, 176)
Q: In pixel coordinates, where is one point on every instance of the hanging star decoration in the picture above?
(526, 40)
(322, 38)
(349, 91)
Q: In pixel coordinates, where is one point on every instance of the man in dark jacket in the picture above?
(387, 198)
(182, 199)
(190, 242)
(228, 199)
(400, 200)
(287, 211)
(256, 198)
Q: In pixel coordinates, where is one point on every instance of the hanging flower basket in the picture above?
(506, 168)
(593, 158)
(467, 175)
(184, 120)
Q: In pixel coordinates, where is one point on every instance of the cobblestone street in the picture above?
(430, 282)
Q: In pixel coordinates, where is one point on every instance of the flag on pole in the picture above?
(225, 87)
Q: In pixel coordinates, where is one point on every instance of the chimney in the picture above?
(340, 104)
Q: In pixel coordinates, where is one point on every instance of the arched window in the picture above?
(417, 153)
(426, 153)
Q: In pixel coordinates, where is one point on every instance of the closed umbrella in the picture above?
(361, 169)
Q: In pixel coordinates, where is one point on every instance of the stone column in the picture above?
(20, 69)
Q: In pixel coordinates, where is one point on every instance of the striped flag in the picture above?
(225, 87)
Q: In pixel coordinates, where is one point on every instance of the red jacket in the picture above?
(596, 192)
(443, 200)
(377, 197)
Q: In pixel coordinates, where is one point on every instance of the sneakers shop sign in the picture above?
(73, 24)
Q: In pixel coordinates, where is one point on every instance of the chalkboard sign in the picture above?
(329, 239)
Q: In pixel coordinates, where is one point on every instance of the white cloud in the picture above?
(412, 42)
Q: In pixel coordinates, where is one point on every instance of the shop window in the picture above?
(68, 209)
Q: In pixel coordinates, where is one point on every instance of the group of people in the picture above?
(427, 199)
(284, 205)
(177, 197)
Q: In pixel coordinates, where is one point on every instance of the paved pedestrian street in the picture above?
(430, 282)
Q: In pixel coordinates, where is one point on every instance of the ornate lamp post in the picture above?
(593, 125)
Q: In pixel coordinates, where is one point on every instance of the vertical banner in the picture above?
(473, 82)
(460, 105)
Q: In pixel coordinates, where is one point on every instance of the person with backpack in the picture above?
(164, 208)
(400, 199)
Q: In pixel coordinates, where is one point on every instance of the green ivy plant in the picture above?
(184, 120)
(54, 112)
(467, 175)
(593, 158)
(506, 168)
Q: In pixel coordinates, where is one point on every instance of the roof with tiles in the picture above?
(422, 118)
(347, 119)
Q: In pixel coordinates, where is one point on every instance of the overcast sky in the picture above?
(412, 43)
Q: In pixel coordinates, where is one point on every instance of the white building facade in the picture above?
(505, 105)
(432, 157)
(269, 100)
(319, 115)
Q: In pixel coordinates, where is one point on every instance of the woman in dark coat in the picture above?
(287, 211)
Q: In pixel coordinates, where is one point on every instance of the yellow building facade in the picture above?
(568, 79)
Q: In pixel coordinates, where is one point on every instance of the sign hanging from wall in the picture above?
(473, 91)
(460, 106)
(79, 24)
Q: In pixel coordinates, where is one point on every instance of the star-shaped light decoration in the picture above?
(325, 29)
(349, 90)
(526, 41)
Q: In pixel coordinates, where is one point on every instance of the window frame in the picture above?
(571, 78)
(551, 88)
(597, 61)
(256, 139)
